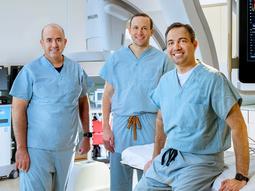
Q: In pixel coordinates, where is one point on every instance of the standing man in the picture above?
(49, 99)
(197, 116)
(130, 74)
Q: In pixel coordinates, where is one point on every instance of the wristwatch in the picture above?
(241, 177)
(87, 134)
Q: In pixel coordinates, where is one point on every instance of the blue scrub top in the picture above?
(52, 113)
(133, 79)
(194, 115)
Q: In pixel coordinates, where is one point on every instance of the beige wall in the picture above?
(21, 23)
(216, 16)
(22, 20)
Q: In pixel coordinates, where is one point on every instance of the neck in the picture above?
(181, 69)
(56, 62)
(138, 50)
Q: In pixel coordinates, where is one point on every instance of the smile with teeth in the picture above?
(139, 39)
(179, 54)
(54, 50)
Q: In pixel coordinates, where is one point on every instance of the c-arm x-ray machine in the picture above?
(106, 22)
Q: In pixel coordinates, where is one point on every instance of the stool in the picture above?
(89, 176)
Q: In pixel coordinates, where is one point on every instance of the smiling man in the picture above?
(198, 107)
(49, 95)
(130, 75)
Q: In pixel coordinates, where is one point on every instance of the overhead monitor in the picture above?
(247, 41)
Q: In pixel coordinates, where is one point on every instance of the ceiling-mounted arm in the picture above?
(106, 23)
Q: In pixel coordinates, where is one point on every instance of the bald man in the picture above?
(49, 99)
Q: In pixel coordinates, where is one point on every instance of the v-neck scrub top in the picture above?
(194, 115)
(133, 79)
(52, 113)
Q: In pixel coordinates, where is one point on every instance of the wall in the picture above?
(216, 15)
(22, 21)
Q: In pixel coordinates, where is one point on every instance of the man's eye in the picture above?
(170, 43)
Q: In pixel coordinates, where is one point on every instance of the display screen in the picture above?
(251, 31)
(247, 41)
(3, 79)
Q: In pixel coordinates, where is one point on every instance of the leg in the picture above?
(64, 161)
(198, 172)
(139, 174)
(147, 184)
(39, 175)
(121, 175)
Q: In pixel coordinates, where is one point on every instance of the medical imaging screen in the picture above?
(251, 31)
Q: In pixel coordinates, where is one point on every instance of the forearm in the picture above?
(20, 130)
(84, 113)
(106, 110)
(241, 148)
(19, 121)
(106, 107)
(160, 137)
(240, 139)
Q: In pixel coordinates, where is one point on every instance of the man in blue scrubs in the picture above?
(199, 108)
(49, 104)
(130, 75)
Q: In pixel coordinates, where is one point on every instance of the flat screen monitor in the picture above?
(247, 41)
(3, 78)
(14, 70)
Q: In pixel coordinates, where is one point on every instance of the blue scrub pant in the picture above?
(49, 170)
(121, 175)
(188, 172)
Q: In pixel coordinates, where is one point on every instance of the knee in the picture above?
(140, 185)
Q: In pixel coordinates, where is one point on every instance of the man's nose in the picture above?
(177, 46)
(54, 43)
(140, 31)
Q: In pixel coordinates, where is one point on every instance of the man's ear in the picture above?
(195, 43)
(41, 42)
(129, 29)
(152, 32)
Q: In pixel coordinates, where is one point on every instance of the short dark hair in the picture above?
(186, 26)
(141, 15)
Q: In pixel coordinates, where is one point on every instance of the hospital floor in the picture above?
(13, 184)
(9, 184)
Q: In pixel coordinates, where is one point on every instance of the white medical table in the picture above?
(137, 156)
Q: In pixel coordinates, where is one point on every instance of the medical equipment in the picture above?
(14, 70)
(99, 153)
(7, 167)
(3, 78)
(247, 41)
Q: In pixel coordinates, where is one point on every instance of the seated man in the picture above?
(198, 107)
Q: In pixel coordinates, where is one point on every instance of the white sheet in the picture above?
(137, 156)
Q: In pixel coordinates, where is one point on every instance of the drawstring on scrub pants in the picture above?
(172, 153)
(135, 122)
